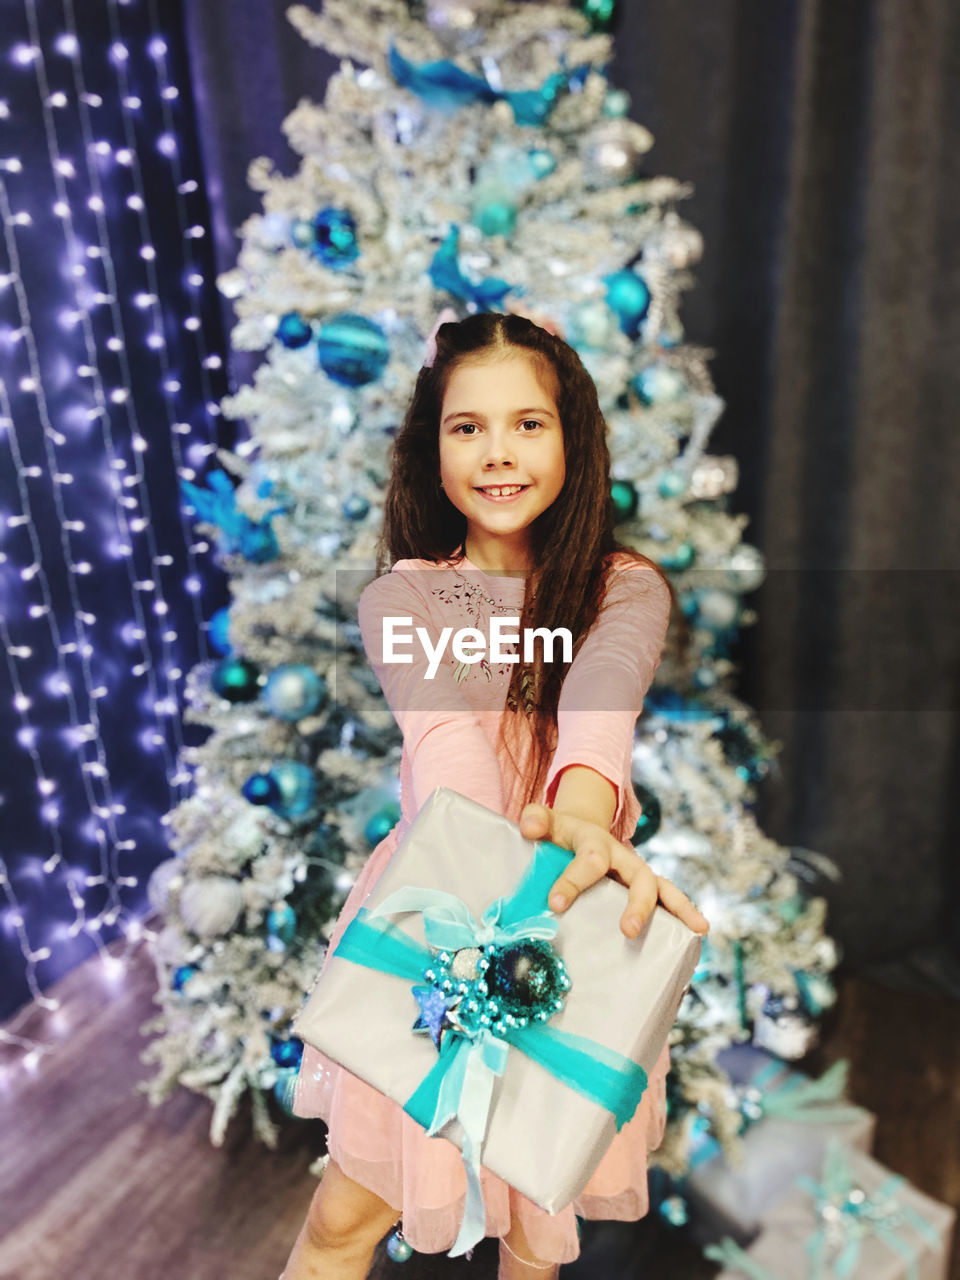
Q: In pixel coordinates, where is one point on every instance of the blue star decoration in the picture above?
(435, 1010)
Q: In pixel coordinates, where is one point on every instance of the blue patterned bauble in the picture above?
(381, 823)
(541, 161)
(648, 824)
(658, 384)
(624, 497)
(335, 237)
(398, 1250)
(262, 788)
(353, 350)
(182, 975)
(356, 507)
(283, 1088)
(672, 484)
(293, 331)
(286, 1053)
(281, 926)
(236, 679)
(294, 691)
(218, 630)
(298, 788)
(629, 296)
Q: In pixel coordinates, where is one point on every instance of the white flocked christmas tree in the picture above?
(469, 154)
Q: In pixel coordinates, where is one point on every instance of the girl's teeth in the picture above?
(500, 492)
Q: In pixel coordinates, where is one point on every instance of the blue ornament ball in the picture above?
(182, 975)
(682, 557)
(629, 296)
(673, 1210)
(293, 691)
(672, 484)
(541, 162)
(298, 788)
(356, 507)
(352, 349)
(625, 499)
(258, 543)
(335, 237)
(591, 324)
(218, 631)
(381, 823)
(284, 1086)
(398, 1250)
(262, 788)
(287, 1053)
(293, 331)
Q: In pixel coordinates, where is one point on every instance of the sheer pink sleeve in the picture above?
(603, 691)
(444, 741)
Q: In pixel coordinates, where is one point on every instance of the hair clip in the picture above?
(447, 315)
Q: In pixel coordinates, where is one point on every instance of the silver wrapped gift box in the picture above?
(539, 1134)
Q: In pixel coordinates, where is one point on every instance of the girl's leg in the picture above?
(519, 1262)
(344, 1225)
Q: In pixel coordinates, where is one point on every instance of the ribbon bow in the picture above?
(460, 1084)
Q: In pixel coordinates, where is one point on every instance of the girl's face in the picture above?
(500, 432)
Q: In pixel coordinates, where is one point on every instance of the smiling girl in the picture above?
(499, 504)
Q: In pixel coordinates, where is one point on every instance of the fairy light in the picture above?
(96, 180)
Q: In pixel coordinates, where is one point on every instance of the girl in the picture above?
(498, 505)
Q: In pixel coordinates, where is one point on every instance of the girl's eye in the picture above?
(534, 421)
(473, 427)
(465, 424)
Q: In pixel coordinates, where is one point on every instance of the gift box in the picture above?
(856, 1221)
(522, 1036)
(789, 1119)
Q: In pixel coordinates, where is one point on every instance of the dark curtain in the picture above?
(818, 137)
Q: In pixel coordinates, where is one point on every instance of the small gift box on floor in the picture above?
(788, 1121)
(522, 1036)
(856, 1221)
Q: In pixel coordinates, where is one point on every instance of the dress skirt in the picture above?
(375, 1142)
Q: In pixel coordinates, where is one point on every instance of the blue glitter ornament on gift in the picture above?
(352, 349)
(335, 238)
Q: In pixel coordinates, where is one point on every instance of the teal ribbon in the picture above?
(730, 1256)
(460, 1083)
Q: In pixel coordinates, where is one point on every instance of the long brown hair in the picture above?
(570, 543)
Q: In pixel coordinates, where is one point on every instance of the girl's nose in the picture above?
(499, 452)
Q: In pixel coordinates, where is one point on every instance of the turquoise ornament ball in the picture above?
(293, 331)
(352, 349)
(682, 557)
(298, 788)
(648, 823)
(496, 218)
(262, 788)
(286, 1053)
(625, 500)
(658, 384)
(592, 325)
(616, 104)
(284, 1087)
(674, 1211)
(293, 691)
(236, 679)
(335, 237)
(281, 927)
(672, 484)
(541, 161)
(629, 296)
(398, 1250)
(603, 15)
(381, 823)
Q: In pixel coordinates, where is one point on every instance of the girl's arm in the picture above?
(443, 738)
(602, 697)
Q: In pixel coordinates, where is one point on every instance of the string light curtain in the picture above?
(111, 370)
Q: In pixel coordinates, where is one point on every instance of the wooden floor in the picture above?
(95, 1184)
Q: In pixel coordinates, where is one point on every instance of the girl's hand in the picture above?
(596, 852)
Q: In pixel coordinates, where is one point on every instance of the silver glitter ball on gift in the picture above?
(464, 964)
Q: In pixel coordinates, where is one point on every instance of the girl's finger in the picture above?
(591, 862)
(642, 898)
(679, 905)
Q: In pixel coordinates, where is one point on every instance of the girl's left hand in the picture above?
(597, 853)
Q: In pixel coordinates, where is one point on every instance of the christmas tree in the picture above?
(469, 154)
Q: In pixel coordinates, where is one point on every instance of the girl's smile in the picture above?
(501, 455)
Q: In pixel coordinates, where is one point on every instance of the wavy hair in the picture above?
(571, 542)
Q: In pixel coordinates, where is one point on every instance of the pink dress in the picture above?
(449, 726)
